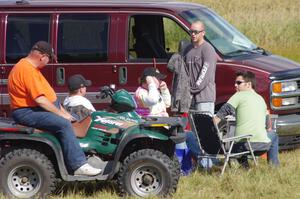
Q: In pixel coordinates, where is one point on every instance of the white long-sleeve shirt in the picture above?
(156, 101)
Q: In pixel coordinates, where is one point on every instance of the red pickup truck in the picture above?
(111, 42)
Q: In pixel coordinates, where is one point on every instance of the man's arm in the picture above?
(226, 109)
(43, 102)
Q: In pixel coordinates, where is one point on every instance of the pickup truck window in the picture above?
(23, 30)
(82, 38)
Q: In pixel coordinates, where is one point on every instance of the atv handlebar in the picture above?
(106, 91)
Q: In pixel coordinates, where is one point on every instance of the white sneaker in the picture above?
(87, 170)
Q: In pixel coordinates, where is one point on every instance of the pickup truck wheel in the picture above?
(26, 173)
(148, 172)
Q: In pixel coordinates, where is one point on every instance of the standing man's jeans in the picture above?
(59, 126)
(206, 106)
(194, 147)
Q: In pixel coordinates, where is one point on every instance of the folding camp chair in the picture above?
(212, 143)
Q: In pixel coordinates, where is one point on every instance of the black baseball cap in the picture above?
(44, 48)
(151, 71)
(78, 81)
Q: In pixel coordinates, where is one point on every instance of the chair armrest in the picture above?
(236, 138)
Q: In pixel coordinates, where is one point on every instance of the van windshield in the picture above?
(223, 36)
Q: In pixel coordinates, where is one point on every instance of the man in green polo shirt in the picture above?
(250, 110)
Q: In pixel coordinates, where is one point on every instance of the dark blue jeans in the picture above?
(193, 145)
(273, 151)
(60, 127)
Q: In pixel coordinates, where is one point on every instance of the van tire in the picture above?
(26, 173)
(148, 172)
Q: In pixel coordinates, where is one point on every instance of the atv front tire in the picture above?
(26, 173)
(148, 172)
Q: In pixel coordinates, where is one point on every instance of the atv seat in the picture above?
(10, 126)
(81, 127)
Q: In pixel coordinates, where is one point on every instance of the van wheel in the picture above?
(148, 172)
(26, 173)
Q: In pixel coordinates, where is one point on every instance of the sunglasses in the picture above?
(239, 82)
(196, 32)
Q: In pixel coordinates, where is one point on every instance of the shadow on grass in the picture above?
(87, 189)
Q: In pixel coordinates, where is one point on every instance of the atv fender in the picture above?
(127, 138)
(54, 147)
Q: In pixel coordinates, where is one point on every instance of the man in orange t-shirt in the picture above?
(34, 103)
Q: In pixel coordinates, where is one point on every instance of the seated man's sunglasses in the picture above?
(239, 82)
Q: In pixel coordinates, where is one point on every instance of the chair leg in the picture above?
(227, 156)
(251, 151)
(225, 164)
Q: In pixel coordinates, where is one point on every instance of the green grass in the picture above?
(271, 24)
(258, 182)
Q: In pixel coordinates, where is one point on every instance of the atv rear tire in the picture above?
(148, 172)
(26, 173)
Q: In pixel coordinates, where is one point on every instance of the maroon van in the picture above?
(111, 42)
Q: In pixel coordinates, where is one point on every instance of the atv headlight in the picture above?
(279, 87)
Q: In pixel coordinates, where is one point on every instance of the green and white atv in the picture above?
(136, 152)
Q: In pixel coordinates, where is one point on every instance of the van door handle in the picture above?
(123, 75)
(60, 76)
(115, 68)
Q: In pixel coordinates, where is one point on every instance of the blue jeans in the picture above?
(60, 127)
(272, 153)
(193, 142)
(194, 147)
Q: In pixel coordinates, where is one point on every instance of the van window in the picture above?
(82, 38)
(173, 35)
(22, 32)
(153, 36)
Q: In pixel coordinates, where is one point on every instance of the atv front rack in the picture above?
(163, 121)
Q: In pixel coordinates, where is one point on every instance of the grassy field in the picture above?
(271, 24)
(258, 182)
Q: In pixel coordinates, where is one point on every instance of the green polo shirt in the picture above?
(250, 115)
